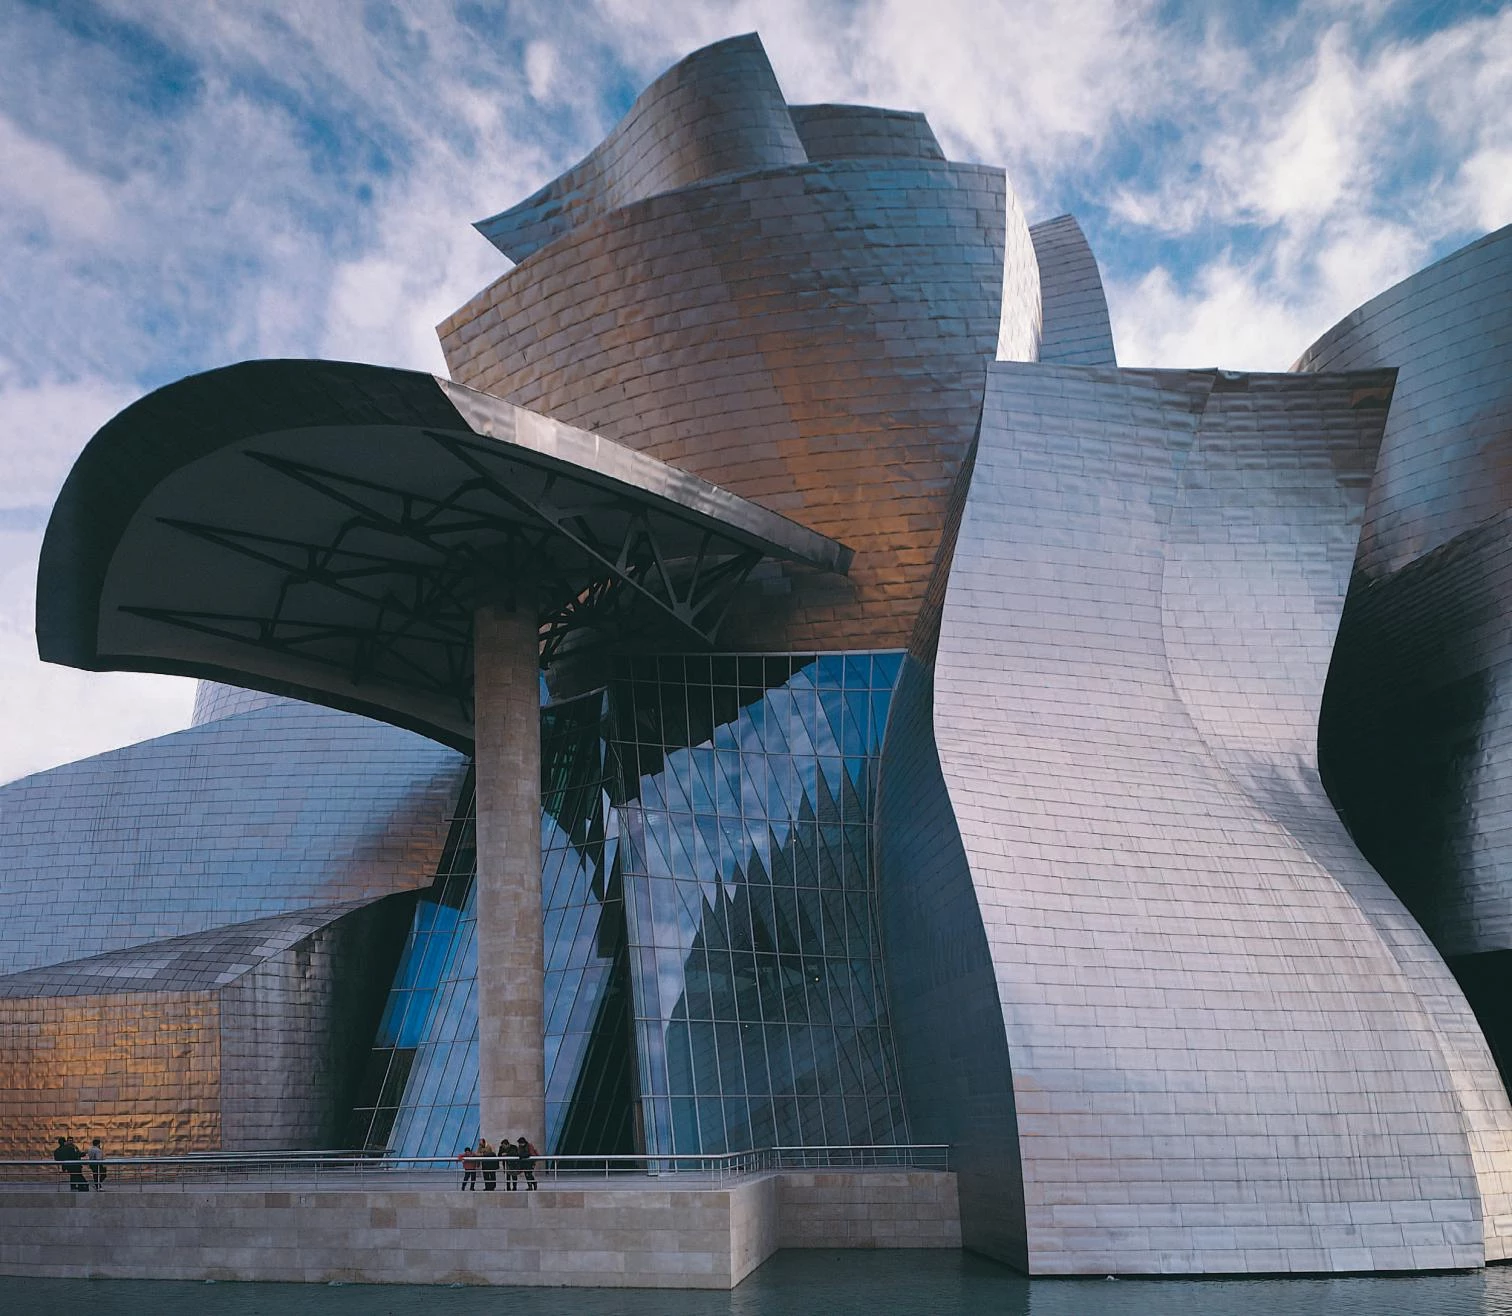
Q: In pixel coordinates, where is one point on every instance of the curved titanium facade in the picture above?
(1076, 330)
(202, 926)
(810, 335)
(1417, 725)
(1230, 1048)
(213, 701)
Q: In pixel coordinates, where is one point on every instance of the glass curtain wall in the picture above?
(745, 848)
(713, 968)
(419, 1096)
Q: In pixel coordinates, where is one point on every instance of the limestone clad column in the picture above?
(507, 729)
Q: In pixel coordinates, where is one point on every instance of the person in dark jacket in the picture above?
(488, 1162)
(71, 1161)
(524, 1162)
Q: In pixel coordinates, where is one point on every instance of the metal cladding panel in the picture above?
(269, 812)
(212, 701)
(860, 132)
(719, 111)
(1416, 738)
(942, 989)
(1232, 1050)
(1076, 330)
(811, 338)
(241, 1038)
(1446, 462)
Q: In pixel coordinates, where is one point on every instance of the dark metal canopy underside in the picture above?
(326, 530)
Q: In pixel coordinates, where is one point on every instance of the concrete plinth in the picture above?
(507, 728)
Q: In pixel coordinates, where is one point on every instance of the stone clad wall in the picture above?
(628, 1237)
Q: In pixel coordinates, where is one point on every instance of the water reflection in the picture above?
(800, 1283)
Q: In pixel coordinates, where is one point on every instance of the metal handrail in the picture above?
(328, 1169)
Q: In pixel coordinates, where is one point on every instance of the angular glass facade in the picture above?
(713, 970)
(745, 844)
(419, 1095)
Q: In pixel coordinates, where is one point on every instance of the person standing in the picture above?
(488, 1162)
(71, 1162)
(96, 1158)
(469, 1170)
(524, 1161)
(60, 1154)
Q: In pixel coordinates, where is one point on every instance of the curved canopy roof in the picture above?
(325, 530)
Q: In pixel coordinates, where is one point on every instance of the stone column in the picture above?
(507, 728)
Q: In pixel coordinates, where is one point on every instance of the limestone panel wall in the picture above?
(1076, 329)
(653, 1236)
(881, 1208)
(1232, 1049)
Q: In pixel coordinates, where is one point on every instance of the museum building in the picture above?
(790, 687)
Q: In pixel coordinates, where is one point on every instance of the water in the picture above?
(796, 1284)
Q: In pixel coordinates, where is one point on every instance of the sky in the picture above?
(187, 185)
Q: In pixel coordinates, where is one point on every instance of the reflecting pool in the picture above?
(798, 1283)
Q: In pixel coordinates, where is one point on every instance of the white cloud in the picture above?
(40, 178)
(43, 427)
(308, 189)
(51, 715)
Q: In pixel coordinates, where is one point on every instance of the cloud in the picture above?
(1356, 155)
(186, 185)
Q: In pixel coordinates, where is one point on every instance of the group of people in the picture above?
(71, 1161)
(518, 1157)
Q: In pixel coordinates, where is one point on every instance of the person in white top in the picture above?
(96, 1158)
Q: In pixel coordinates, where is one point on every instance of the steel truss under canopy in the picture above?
(327, 530)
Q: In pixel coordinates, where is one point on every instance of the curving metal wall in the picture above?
(810, 334)
(213, 701)
(1076, 329)
(287, 808)
(1416, 734)
(197, 932)
(1231, 1049)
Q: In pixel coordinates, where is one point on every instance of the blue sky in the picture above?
(184, 185)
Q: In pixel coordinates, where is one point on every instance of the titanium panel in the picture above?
(811, 338)
(212, 701)
(863, 132)
(719, 111)
(1076, 329)
(1231, 1048)
(808, 332)
(1417, 723)
(270, 812)
(239, 1039)
(324, 529)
